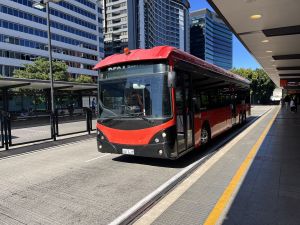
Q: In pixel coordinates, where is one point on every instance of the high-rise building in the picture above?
(115, 24)
(76, 31)
(210, 38)
(145, 24)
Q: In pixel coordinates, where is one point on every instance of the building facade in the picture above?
(210, 38)
(115, 25)
(76, 32)
(145, 24)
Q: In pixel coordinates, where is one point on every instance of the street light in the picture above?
(41, 4)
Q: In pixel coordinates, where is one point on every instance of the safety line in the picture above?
(223, 201)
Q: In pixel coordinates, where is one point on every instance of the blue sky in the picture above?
(241, 57)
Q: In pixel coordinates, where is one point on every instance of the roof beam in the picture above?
(281, 31)
(59, 88)
(290, 75)
(15, 86)
(288, 68)
(87, 89)
(286, 57)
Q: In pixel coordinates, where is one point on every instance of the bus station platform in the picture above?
(253, 179)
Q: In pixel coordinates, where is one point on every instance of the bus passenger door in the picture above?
(185, 116)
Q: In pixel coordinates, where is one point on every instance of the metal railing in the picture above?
(29, 129)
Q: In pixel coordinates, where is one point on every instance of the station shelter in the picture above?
(25, 106)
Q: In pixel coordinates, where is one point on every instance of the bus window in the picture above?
(197, 101)
(204, 100)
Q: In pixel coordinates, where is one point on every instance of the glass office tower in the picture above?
(210, 38)
(145, 24)
(76, 28)
(166, 22)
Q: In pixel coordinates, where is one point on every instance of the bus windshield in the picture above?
(146, 96)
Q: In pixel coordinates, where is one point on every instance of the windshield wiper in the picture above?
(141, 115)
(134, 115)
(116, 117)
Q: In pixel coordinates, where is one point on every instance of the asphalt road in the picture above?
(75, 184)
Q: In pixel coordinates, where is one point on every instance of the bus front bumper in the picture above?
(160, 150)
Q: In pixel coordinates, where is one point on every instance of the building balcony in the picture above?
(116, 2)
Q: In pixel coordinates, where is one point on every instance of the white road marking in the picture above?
(97, 157)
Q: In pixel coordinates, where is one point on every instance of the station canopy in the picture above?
(10, 82)
(270, 30)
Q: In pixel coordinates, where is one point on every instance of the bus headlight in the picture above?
(167, 135)
(100, 136)
(159, 138)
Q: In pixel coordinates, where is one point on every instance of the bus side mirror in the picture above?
(171, 78)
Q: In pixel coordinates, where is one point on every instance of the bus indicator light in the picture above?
(126, 51)
(156, 140)
(164, 135)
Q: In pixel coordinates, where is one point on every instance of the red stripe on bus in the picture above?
(133, 137)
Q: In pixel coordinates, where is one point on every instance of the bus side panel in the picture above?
(219, 120)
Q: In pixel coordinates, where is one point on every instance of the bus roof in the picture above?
(164, 53)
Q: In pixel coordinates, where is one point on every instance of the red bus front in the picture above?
(136, 116)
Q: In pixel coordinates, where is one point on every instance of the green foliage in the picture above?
(262, 86)
(84, 79)
(39, 69)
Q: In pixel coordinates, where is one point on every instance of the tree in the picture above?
(84, 79)
(262, 86)
(39, 69)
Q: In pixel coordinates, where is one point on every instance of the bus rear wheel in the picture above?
(244, 117)
(240, 118)
(205, 135)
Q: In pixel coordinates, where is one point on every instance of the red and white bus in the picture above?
(163, 102)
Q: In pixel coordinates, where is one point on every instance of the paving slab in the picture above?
(268, 194)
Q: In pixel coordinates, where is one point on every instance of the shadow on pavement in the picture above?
(44, 145)
(192, 156)
(270, 191)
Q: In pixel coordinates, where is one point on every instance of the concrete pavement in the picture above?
(38, 132)
(75, 184)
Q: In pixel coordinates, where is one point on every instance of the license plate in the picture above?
(128, 151)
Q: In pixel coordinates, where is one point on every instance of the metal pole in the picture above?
(144, 110)
(50, 70)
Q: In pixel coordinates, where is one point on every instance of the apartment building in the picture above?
(145, 24)
(76, 32)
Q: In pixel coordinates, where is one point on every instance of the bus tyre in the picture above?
(205, 135)
(241, 118)
(244, 117)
